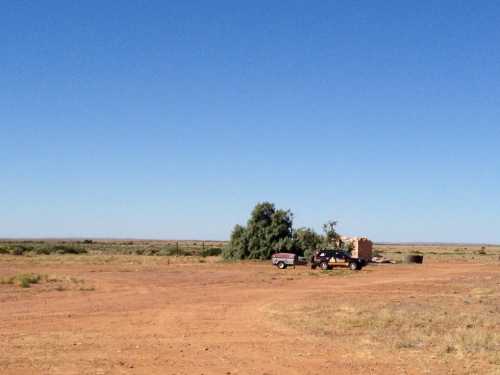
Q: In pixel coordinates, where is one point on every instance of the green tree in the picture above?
(268, 230)
(331, 237)
(307, 241)
(238, 244)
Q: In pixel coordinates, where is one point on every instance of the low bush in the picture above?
(68, 249)
(20, 249)
(41, 249)
(211, 251)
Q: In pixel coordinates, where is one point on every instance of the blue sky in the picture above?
(172, 119)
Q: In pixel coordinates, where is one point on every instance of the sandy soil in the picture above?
(122, 317)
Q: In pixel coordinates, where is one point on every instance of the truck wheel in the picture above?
(281, 265)
(354, 266)
(324, 266)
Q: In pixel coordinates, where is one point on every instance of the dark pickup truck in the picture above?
(327, 259)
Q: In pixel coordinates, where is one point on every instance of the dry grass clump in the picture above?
(23, 280)
(459, 326)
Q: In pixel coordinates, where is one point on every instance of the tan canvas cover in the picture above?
(362, 247)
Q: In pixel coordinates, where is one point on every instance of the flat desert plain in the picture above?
(131, 314)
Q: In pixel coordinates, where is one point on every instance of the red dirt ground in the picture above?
(199, 318)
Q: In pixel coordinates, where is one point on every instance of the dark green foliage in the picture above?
(211, 251)
(67, 249)
(20, 249)
(307, 241)
(269, 230)
(170, 250)
(238, 244)
(44, 250)
(41, 249)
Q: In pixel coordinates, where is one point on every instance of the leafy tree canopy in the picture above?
(270, 230)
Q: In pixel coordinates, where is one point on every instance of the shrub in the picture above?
(67, 249)
(211, 251)
(152, 251)
(24, 283)
(20, 249)
(42, 251)
(169, 251)
(25, 280)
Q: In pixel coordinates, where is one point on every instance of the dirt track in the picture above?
(200, 318)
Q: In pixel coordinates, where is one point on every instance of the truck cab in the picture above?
(327, 259)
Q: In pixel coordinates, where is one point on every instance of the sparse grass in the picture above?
(75, 280)
(338, 272)
(7, 280)
(23, 280)
(446, 253)
(463, 325)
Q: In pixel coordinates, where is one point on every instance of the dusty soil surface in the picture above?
(123, 316)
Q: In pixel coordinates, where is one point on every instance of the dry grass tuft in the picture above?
(459, 327)
(23, 280)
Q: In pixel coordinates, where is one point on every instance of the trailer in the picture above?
(283, 260)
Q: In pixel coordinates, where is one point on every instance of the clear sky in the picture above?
(171, 119)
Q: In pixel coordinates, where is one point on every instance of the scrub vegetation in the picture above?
(270, 230)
